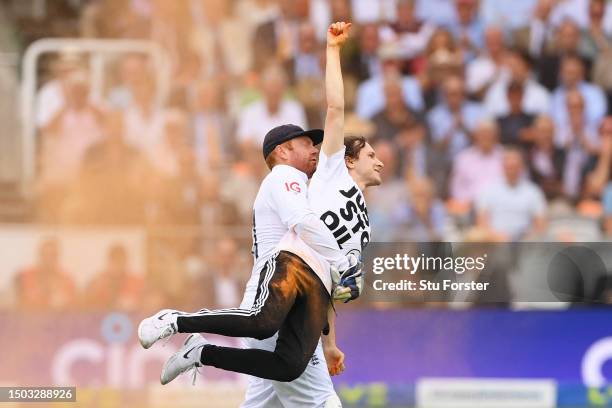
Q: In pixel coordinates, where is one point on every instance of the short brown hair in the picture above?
(353, 145)
(271, 160)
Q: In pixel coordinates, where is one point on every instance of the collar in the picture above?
(280, 167)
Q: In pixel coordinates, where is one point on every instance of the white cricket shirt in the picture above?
(280, 205)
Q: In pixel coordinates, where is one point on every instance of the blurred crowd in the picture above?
(493, 117)
(51, 281)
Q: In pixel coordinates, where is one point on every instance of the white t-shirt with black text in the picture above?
(336, 199)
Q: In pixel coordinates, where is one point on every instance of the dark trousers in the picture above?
(290, 300)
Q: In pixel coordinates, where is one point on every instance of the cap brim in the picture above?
(316, 135)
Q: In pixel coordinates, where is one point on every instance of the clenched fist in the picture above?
(338, 33)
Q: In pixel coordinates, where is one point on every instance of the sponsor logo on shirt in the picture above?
(293, 186)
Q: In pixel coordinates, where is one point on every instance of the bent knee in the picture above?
(293, 370)
(265, 330)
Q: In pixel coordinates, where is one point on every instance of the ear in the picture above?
(281, 152)
(350, 163)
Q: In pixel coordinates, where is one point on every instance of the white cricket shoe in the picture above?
(188, 357)
(157, 327)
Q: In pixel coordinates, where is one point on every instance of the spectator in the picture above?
(306, 71)
(545, 160)
(467, 27)
(363, 62)
(130, 70)
(515, 126)
(45, 285)
(187, 74)
(113, 19)
(598, 179)
(169, 27)
(396, 114)
(415, 154)
(221, 37)
(363, 12)
(602, 76)
(513, 208)
(566, 42)
(569, 10)
(409, 32)
(213, 140)
(580, 142)
(452, 121)
(306, 64)
(51, 98)
(144, 119)
(340, 10)
(370, 94)
(277, 40)
(511, 15)
(572, 77)
(607, 212)
(239, 188)
(488, 67)
(385, 203)
(223, 280)
(115, 287)
(577, 11)
(442, 40)
(113, 182)
(478, 166)
(164, 156)
(594, 38)
(532, 38)
(443, 58)
(73, 129)
(439, 12)
(257, 12)
(275, 109)
(423, 217)
(251, 14)
(180, 195)
(536, 99)
(548, 16)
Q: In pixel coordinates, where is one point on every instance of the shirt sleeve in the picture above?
(288, 196)
(331, 166)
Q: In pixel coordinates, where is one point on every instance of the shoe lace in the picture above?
(166, 334)
(195, 370)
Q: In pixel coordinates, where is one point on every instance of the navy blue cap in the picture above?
(283, 133)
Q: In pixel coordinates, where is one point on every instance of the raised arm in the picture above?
(334, 89)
